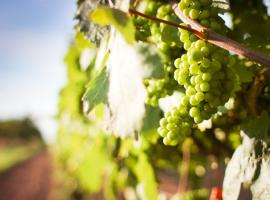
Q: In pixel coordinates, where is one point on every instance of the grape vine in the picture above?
(189, 97)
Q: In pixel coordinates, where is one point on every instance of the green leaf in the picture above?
(146, 178)
(247, 30)
(93, 32)
(119, 19)
(91, 168)
(244, 74)
(257, 126)
(97, 90)
(71, 94)
(151, 123)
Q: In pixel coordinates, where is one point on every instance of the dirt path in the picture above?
(29, 180)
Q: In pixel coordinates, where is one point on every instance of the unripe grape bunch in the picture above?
(148, 30)
(203, 70)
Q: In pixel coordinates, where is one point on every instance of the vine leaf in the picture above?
(257, 127)
(255, 36)
(93, 32)
(90, 175)
(249, 163)
(121, 86)
(96, 91)
(260, 189)
(150, 124)
(120, 20)
(128, 66)
(147, 188)
(245, 75)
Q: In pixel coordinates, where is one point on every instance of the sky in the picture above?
(34, 36)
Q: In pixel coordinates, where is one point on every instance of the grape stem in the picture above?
(209, 35)
(195, 32)
(221, 41)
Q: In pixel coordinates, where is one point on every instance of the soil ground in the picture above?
(29, 180)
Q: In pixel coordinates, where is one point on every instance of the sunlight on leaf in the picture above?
(127, 94)
(119, 19)
(248, 165)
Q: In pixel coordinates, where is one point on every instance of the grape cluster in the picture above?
(175, 125)
(158, 88)
(204, 13)
(202, 70)
(205, 72)
(168, 48)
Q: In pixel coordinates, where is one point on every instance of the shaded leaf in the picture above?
(257, 126)
(96, 91)
(248, 31)
(151, 123)
(244, 74)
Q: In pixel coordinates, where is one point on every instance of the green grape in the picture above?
(198, 120)
(204, 86)
(200, 44)
(205, 22)
(196, 55)
(186, 12)
(193, 101)
(182, 5)
(206, 77)
(192, 80)
(187, 2)
(204, 14)
(205, 51)
(205, 63)
(184, 37)
(194, 69)
(194, 112)
(193, 38)
(187, 45)
(194, 14)
(199, 96)
(190, 91)
(198, 79)
(177, 62)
